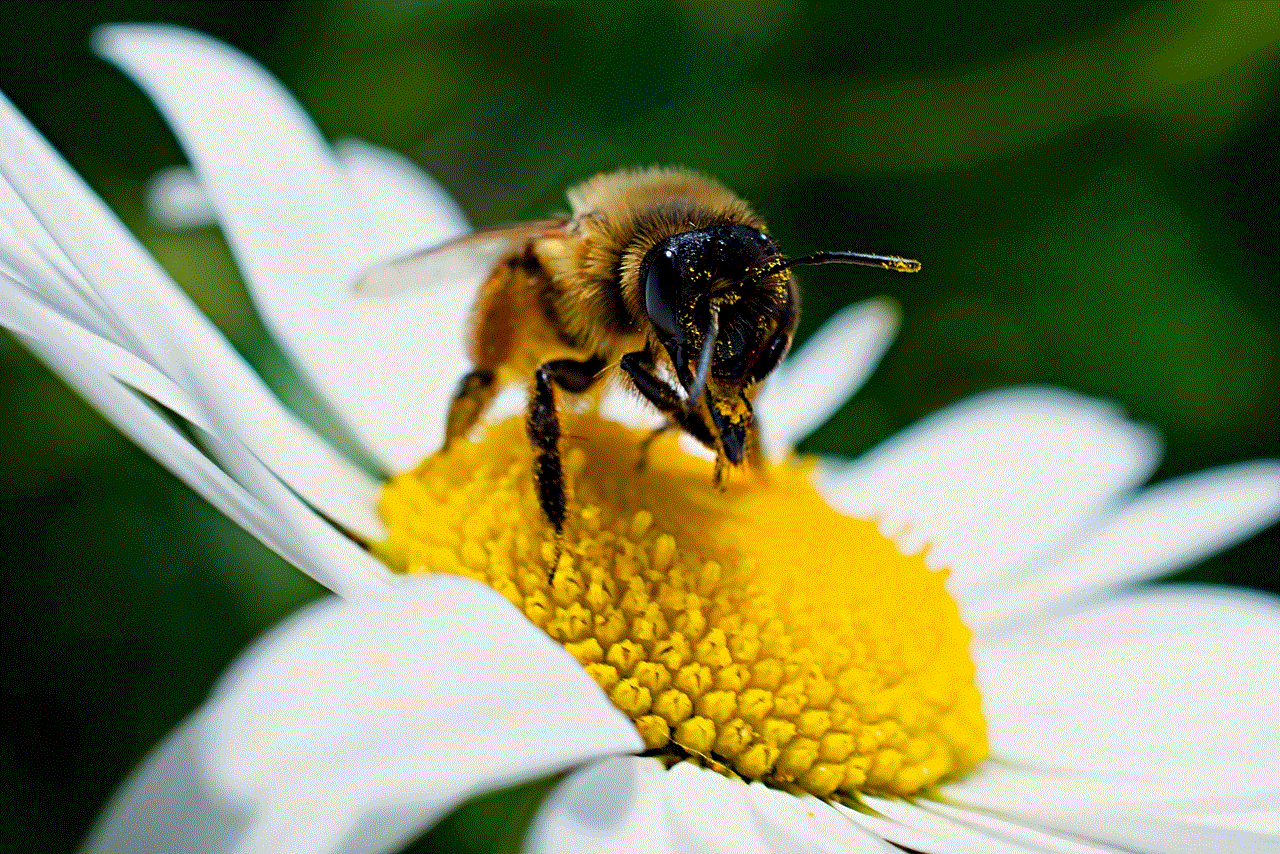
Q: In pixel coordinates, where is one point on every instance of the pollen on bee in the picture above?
(754, 630)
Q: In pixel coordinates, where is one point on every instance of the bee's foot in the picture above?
(721, 475)
(553, 553)
(643, 462)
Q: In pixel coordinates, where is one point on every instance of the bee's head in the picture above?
(723, 305)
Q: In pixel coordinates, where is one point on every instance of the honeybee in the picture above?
(661, 274)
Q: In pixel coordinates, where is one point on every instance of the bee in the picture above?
(662, 276)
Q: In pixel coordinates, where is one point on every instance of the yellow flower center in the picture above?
(754, 629)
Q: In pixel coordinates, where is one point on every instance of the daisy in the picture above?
(751, 671)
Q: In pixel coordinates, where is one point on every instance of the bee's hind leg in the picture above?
(475, 392)
(543, 426)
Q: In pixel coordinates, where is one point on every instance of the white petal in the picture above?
(303, 237)
(912, 838)
(33, 259)
(26, 314)
(1034, 838)
(791, 823)
(1168, 526)
(1163, 836)
(1147, 721)
(634, 804)
(711, 813)
(358, 724)
(144, 425)
(1046, 798)
(398, 199)
(101, 372)
(978, 838)
(327, 555)
(146, 313)
(403, 208)
(1104, 811)
(175, 199)
(627, 407)
(996, 480)
(1129, 833)
(99, 369)
(168, 805)
(1173, 683)
(814, 382)
(1263, 822)
(616, 805)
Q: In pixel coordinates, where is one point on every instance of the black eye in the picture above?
(769, 356)
(660, 289)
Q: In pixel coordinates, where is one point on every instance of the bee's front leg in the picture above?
(639, 367)
(543, 427)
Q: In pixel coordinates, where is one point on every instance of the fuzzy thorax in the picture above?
(754, 629)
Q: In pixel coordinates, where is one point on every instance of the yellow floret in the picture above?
(754, 629)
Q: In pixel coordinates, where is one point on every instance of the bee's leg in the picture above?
(721, 472)
(754, 453)
(639, 366)
(543, 426)
(643, 462)
(474, 393)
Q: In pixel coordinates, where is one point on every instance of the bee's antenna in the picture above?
(704, 358)
(865, 259)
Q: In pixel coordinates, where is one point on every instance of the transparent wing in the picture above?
(462, 262)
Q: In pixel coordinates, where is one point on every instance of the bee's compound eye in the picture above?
(660, 289)
(770, 356)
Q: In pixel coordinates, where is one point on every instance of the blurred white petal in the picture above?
(711, 813)
(812, 383)
(99, 268)
(1032, 795)
(1261, 822)
(975, 837)
(396, 196)
(403, 208)
(26, 314)
(632, 804)
(303, 236)
(1167, 683)
(33, 259)
(790, 823)
(915, 839)
(1173, 524)
(1034, 838)
(357, 724)
(168, 804)
(997, 480)
(615, 805)
(154, 434)
(118, 384)
(324, 553)
(175, 199)
(626, 406)
(1158, 835)
(1146, 721)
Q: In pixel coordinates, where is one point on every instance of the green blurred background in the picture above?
(1092, 188)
